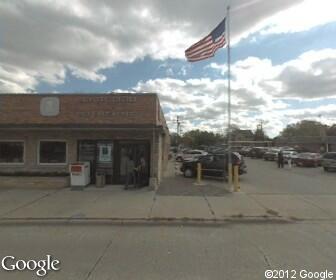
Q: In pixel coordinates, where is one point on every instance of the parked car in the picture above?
(308, 160)
(215, 165)
(329, 161)
(236, 149)
(289, 155)
(190, 155)
(245, 151)
(257, 152)
(271, 154)
(179, 155)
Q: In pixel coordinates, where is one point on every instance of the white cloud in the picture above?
(310, 76)
(308, 14)
(258, 90)
(45, 39)
(204, 102)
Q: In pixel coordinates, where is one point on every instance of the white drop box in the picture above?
(80, 174)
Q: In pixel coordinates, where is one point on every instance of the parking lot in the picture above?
(264, 177)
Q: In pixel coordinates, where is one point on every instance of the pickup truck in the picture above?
(213, 165)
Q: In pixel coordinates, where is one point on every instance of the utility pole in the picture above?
(260, 125)
(178, 126)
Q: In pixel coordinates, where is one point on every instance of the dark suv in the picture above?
(257, 152)
(214, 165)
(329, 161)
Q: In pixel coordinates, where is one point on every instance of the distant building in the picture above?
(309, 143)
(242, 135)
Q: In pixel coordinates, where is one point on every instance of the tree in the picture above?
(304, 128)
(332, 130)
(197, 138)
(259, 134)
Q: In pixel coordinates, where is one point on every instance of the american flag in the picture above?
(207, 47)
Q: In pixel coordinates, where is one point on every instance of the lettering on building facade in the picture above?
(108, 99)
(94, 114)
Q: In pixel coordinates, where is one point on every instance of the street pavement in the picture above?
(233, 251)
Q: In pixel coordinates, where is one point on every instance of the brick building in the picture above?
(41, 134)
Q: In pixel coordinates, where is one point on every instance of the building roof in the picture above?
(81, 110)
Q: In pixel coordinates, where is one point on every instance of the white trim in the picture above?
(24, 153)
(52, 164)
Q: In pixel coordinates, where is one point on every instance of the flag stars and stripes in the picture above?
(208, 46)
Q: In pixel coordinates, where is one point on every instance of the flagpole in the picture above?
(229, 97)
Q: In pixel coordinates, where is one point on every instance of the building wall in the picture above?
(120, 116)
(80, 109)
(32, 138)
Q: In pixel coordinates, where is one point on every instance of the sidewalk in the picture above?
(114, 204)
(177, 200)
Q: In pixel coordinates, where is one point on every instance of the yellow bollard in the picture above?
(230, 175)
(236, 178)
(199, 173)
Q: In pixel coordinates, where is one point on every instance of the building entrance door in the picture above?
(138, 151)
(100, 155)
(105, 160)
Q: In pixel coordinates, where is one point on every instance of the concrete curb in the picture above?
(143, 221)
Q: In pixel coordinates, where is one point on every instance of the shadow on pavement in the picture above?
(180, 186)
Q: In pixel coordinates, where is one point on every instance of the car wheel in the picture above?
(188, 173)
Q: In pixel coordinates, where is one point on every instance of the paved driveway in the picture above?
(264, 177)
(175, 184)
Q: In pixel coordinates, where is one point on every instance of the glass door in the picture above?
(138, 151)
(105, 159)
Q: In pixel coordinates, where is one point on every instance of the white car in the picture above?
(292, 155)
(190, 155)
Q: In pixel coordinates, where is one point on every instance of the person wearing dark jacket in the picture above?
(280, 160)
(141, 172)
(130, 172)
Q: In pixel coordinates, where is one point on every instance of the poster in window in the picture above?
(105, 153)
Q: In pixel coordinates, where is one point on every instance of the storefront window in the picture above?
(52, 152)
(11, 152)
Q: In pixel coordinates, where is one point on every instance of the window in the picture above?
(330, 156)
(52, 152)
(11, 152)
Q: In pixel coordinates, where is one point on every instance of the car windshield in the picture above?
(307, 155)
(330, 156)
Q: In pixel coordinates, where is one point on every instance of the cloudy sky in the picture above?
(283, 56)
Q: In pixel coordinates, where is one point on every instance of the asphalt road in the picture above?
(235, 251)
(265, 177)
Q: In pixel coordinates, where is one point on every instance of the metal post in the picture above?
(229, 97)
(236, 178)
(199, 173)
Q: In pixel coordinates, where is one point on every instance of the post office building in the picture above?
(42, 134)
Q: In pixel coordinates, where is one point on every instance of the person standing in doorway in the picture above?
(142, 172)
(280, 160)
(130, 172)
